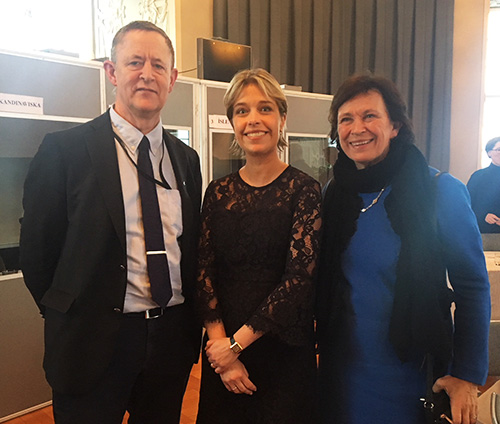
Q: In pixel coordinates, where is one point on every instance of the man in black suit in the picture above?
(110, 344)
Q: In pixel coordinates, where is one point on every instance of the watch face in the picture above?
(236, 347)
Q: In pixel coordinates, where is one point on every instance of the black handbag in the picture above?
(436, 405)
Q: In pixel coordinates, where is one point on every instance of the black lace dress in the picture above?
(258, 253)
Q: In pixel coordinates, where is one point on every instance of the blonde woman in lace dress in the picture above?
(257, 257)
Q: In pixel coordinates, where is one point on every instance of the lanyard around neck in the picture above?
(163, 183)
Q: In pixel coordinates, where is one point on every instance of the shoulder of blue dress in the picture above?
(444, 177)
(450, 190)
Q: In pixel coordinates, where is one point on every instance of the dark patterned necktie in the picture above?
(156, 255)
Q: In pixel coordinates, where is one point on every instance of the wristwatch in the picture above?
(234, 345)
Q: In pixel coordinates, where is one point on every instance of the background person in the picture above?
(85, 251)
(258, 249)
(484, 189)
(392, 229)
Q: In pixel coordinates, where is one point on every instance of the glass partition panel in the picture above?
(19, 141)
(224, 161)
(313, 154)
(182, 134)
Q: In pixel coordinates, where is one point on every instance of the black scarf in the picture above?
(420, 321)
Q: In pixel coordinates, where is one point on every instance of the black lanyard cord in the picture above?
(163, 183)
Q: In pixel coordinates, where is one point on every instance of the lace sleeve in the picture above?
(287, 311)
(208, 308)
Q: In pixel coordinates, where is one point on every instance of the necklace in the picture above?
(374, 201)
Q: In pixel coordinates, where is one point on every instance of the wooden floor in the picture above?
(188, 415)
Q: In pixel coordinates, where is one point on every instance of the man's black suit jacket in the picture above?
(73, 247)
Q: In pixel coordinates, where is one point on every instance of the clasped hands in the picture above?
(491, 218)
(231, 370)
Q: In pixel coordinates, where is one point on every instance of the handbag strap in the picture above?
(429, 395)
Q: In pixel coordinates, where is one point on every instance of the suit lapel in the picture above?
(102, 151)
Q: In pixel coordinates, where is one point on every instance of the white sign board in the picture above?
(219, 121)
(21, 104)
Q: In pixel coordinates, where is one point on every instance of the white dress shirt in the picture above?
(138, 293)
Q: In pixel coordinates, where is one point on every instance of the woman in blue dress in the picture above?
(394, 228)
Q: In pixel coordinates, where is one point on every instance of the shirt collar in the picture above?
(131, 136)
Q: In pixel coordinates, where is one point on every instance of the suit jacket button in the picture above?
(122, 267)
(117, 310)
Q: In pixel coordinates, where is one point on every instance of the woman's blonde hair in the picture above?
(267, 84)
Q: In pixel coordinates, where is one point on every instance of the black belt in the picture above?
(149, 314)
(157, 312)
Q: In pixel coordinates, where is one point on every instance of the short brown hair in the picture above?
(266, 83)
(360, 84)
(140, 26)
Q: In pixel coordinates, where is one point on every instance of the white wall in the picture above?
(469, 40)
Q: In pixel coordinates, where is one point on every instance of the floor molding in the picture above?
(25, 411)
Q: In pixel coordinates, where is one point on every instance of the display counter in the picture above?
(484, 415)
(22, 383)
(493, 266)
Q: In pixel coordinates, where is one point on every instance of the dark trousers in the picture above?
(147, 376)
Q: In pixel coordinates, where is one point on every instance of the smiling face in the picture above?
(257, 122)
(365, 129)
(143, 75)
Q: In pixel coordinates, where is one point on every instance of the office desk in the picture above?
(484, 403)
(22, 380)
(493, 266)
